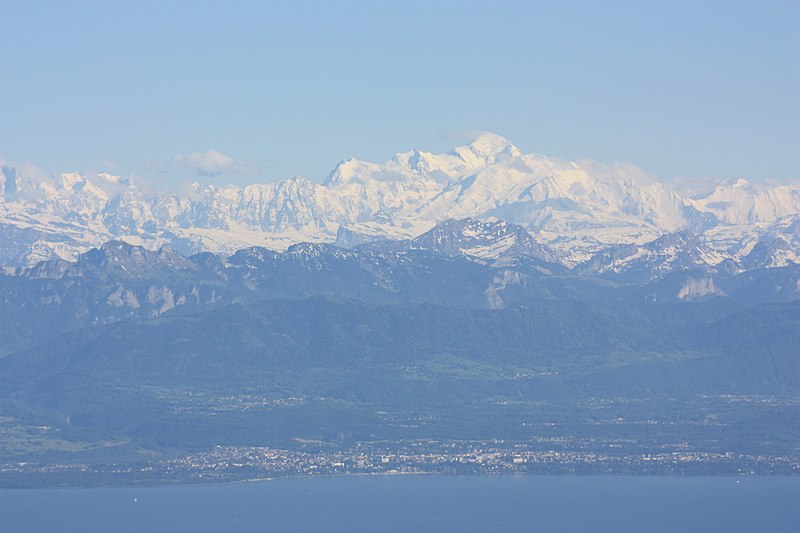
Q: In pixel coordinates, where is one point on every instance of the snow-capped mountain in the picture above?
(570, 211)
(478, 239)
(737, 202)
(671, 252)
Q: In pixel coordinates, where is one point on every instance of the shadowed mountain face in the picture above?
(242, 344)
(463, 264)
(120, 282)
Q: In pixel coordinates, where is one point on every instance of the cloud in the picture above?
(460, 135)
(619, 169)
(213, 163)
(28, 171)
(695, 185)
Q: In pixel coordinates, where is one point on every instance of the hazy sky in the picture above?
(260, 91)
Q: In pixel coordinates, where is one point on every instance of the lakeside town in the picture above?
(244, 463)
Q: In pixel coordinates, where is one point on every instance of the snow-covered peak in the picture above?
(487, 240)
(69, 181)
(738, 202)
(113, 178)
(351, 169)
(492, 145)
(485, 149)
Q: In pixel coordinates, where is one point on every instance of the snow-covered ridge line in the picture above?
(494, 244)
(576, 209)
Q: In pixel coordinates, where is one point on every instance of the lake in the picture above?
(419, 504)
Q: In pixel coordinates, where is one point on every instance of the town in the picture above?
(539, 456)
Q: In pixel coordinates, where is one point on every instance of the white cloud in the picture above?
(213, 163)
(619, 169)
(27, 171)
(690, 186)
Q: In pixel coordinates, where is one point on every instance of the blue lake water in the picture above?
(419, 504)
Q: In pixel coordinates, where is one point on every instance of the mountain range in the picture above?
(466, 264)
(478, 294)
(611, 216)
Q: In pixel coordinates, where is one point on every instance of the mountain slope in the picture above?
(263, 374)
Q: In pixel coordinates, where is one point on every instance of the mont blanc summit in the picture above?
(576, 209)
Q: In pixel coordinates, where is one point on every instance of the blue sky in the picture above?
(683, 89)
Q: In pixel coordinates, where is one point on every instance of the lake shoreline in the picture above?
(156, 484)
